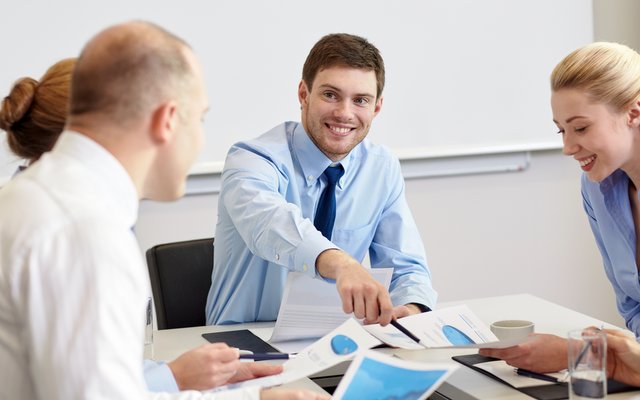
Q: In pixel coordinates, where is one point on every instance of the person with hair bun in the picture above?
(596, 105)
(34, 112)
(34, 115)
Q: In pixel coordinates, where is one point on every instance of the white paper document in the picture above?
(448, 327)
(311, 308)
(324, 353)
(373, 375)
(508, 374)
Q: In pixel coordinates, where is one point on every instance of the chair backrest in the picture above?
(180, 276)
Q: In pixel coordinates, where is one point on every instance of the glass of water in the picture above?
(587, 364)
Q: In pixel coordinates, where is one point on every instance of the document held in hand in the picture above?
(340, 344)
(311, 308)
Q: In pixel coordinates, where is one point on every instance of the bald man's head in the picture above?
(127, 69)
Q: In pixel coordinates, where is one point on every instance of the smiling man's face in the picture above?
(338, 110)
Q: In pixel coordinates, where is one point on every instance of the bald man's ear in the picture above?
(163, 121)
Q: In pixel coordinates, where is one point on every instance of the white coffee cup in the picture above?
(510, 329)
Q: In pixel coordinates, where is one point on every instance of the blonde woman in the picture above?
(596, 106)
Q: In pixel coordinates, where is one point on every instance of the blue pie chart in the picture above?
(456, 336)
(343, 345)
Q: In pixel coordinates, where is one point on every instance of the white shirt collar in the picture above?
(115, 180)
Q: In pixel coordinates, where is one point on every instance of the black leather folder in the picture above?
(553, 391)
(243, 339)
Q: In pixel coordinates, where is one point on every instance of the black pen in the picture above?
(536, 375)
(266, 356)
(410, 335)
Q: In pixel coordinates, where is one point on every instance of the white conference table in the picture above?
(548, 318)
(465, 383)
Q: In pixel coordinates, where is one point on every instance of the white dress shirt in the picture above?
(73, 284)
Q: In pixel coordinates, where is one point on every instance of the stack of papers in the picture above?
(311, 308)
(448, 327)
(370, 373)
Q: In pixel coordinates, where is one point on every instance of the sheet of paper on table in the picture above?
(507, 373)
(311, 308)
(454, 326)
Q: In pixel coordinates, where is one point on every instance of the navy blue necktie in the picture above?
(326, 212)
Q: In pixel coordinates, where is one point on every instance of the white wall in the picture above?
(252, 53)
(485, 235)
(617, 21)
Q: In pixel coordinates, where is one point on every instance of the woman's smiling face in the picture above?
(595, 135)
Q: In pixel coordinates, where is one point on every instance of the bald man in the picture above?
(73, 283)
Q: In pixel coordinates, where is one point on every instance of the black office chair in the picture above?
(180, 276)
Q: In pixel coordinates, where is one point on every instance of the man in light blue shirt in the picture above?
(271, 189)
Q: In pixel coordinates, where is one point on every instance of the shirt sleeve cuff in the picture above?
(307, 253)
(158, 377)
(428, 301)
(421, 307)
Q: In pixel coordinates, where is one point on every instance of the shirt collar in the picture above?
(612, 181)
(313, 161)
(115, 183)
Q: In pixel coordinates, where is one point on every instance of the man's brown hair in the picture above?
(343, 49)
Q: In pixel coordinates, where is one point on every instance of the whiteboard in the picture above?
(460, 73)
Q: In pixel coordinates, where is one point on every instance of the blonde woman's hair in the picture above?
(608, 72)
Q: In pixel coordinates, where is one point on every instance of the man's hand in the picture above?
(205, 367)
(542, 353)
(253, 370)
(360, 293)
(623, 357)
